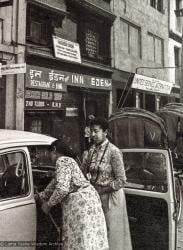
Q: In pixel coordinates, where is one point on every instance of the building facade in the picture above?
(140, 45)
(63, 86)
(12, 48)
(175, 45)
(81, 58)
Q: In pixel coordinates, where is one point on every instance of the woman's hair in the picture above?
(100, 121)
(62, 148)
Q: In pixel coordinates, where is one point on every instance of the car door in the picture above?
(150, 199)
(17, 205)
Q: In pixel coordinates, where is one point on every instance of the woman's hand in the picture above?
(45, 207)
(36, 197)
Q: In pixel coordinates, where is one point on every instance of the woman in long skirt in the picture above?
(84, 226)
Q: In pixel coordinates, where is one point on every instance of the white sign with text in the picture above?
(10, 69)
(66, 50)
(151, 84)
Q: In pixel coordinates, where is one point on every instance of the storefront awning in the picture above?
(49, 5)
(93, 8)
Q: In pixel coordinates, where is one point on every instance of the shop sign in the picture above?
(151, 84)
(66, 50)
(47, 79)
(10, 69)
(38, 99)
(71, 112)
(87, 81)
(44, 78)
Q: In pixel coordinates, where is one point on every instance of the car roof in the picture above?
(13, 138)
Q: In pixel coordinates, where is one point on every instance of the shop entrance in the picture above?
(56, 124)
(147, 101)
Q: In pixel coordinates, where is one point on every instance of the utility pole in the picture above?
(179, 13)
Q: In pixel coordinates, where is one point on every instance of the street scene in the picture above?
(91, 124)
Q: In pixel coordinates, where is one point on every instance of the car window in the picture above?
(146, 170)
(43, 167)
(40, 156)
(13, 175)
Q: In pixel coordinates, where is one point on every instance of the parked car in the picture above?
(151, 190)
(18, 177)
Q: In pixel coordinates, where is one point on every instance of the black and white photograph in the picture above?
(91, 124)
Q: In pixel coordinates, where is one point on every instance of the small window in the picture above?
(178, 4)
(153, 3)
(36, 31)
(92, 32)
(130, 38)
(146, 170)
(160, 5)
(155, 49)
(13, 175)
(157, 4)
(39, 28)
(36, 126)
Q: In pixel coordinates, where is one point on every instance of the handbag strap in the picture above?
(98, 165)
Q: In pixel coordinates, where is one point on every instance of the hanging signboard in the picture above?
(66, 50)
(4, 3)
(48, 79)
(151, 84)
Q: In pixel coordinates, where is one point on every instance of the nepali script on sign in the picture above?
(151, 84)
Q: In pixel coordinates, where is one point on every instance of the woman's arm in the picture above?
(45, 195)
(118, 169)
(63, 178)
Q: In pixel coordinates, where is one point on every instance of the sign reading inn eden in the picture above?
(45, 87)
(49, 79)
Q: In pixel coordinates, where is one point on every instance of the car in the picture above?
(18, 179)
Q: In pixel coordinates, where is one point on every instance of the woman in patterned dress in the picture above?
(84, 226)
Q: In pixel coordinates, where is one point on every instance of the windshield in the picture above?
(146, 170)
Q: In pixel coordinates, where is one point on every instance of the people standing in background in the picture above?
(88, 132)
(87, 136)
(84, 226)
(105, 169)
